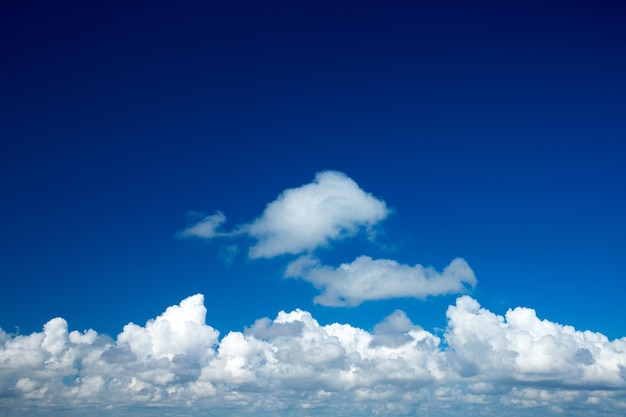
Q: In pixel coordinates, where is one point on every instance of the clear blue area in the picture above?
(496, 131)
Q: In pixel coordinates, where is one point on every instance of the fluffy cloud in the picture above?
(369, 279)
(301, 219)
(179, 332)
(520, 347)
(293, 365)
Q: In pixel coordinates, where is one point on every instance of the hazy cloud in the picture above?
(518, 361)
(393, 330)
(365, 279)
(206, 228)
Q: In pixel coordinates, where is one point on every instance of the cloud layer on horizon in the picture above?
(292, 365)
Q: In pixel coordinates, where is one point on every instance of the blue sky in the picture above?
(391, 140)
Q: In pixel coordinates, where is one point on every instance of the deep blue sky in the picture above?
(495, 131)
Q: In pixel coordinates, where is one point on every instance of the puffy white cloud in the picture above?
(180, 330)
(292, 365)
(376, 279)
(301, 219)
(520, 347)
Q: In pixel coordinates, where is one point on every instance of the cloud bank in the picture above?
(376, 279)
(176, 364)
(302, 219)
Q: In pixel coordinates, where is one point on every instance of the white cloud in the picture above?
(522, 348)
(179, 331)
(302, 219)
(369, 279)
(206, 228)
(293, 365)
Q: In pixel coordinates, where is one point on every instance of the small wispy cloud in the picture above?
(206, 228)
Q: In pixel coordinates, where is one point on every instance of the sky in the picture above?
(287, 209)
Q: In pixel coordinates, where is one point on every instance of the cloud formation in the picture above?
(482, 364)
(521, 348)
(293, 365)
(302, 219)
(365, 278)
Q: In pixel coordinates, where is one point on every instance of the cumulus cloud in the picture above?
(180, 331)
(365, 278)
(302, 219)
(393, 330)
(520, 347)
(293, 365)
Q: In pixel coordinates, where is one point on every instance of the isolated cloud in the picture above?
(206, 228)
(377, 279)
(301, 219)
(292, 365)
